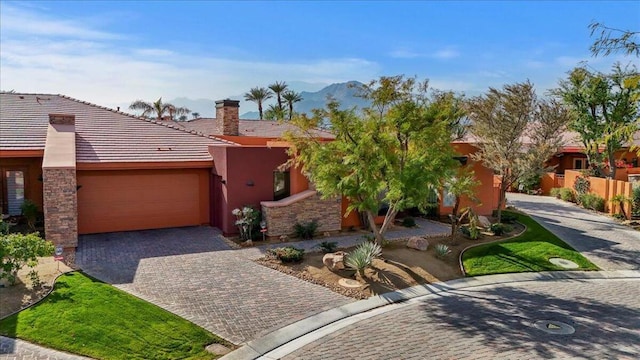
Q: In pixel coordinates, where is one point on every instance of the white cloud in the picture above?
(447, 53)
(72, 58)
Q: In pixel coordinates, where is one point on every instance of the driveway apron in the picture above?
(606, 243)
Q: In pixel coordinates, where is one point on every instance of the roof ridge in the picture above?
(152, 121)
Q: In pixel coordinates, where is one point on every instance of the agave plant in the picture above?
(362, 257)
(442, 250)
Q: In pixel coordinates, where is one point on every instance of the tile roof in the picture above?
(102, 134)
(256, 128)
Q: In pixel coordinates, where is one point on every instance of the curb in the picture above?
(261, 346)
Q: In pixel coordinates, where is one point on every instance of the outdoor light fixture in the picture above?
(250, 183)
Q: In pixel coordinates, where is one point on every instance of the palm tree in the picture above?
(275, 113)
(291, 97)
(195, 115)
(278, 88)
(258, 95)
(158, 108)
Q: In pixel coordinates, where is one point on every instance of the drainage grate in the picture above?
(564, 263)
(554, 327)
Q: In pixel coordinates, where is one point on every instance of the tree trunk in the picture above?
(454, 218)
(260, 109)
(612, 164)
(501, 198)
(374, 228)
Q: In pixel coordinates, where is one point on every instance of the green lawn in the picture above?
(88, 317)
(528, 252)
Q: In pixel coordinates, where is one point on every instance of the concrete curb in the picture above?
(259, 347)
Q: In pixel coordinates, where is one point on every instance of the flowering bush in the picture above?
(246, 220)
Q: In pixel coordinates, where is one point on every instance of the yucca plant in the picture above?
(362, 257)
(442, 250)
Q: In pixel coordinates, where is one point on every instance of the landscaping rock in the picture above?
(218, 349)
(484, 221)
(418, 243)
(334, 261)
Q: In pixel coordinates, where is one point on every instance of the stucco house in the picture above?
(92, 169)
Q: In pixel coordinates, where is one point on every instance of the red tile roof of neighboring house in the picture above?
(102, 135)
(258, 128)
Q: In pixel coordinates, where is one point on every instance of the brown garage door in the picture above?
(141, 199)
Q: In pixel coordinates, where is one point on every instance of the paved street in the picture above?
(12, 349)
(495, 322)
(607, 244)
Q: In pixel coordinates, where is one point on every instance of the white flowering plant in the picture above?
(247, 219)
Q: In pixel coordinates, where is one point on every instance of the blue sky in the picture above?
(112, 53)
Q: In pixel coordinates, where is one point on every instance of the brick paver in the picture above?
(606, 243)
(13, 349)
(496, 322)
(193, 273)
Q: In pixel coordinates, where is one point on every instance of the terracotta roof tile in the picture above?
(257, 128)
(102, 134)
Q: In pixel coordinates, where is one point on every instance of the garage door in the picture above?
(135, 200)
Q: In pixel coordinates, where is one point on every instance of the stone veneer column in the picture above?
(227, 117)
(60, 202)
(282, 215)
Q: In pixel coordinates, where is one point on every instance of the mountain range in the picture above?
(345, 93)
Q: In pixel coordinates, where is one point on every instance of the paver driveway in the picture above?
(607, 244)
(194, 274)
(495, 322)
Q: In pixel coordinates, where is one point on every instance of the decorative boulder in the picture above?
(418, 243)
(334, 261)
(484, 222)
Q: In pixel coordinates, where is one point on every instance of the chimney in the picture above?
(227, 117)
(62, 119)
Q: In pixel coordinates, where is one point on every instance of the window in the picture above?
(12, 191)
(579, 164)
(448, 199)
(281, 185)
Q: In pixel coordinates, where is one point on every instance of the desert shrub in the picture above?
(408, 222)
(621, 201)
(555, 192)
(442, 250)
(500, 229)
(582, 185)
(508, 218)
(288, 254)
(247, 219)
(5, 227)
(362, 257)
(18, 250)
(306, 231)
(328, 246)
(591, 201)
(472, 232)
(635, 208)
(567, 194)
(30, 212)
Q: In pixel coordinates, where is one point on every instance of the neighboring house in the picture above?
(93, 170)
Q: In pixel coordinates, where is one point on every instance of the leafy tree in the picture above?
(195, 115)
(279, 88)
(393, 153)
(158, 108)
(515, 131)
(291, 97)
(464, 184)
(258, 95)
(611, 40)
(18, 250)
(604, 110)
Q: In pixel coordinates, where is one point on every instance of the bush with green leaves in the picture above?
(592, 202)
(328, 246)
(555, 192)
(567, 194)
(408, 222)
(500, 229)
(582, 185)
(362, 257)
(472, 232)
(621, 200)
(288, 254)
(635, 208)
(18, 250)
(30, 212)
(5, 227)
(442, 250)
(306, 231)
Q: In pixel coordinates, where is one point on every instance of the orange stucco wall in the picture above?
(141, 199)
(605, 188)
(299, 182)
(33, 182)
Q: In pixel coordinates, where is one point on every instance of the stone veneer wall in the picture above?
(60, 206)
(281, 216)
(227, 117)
